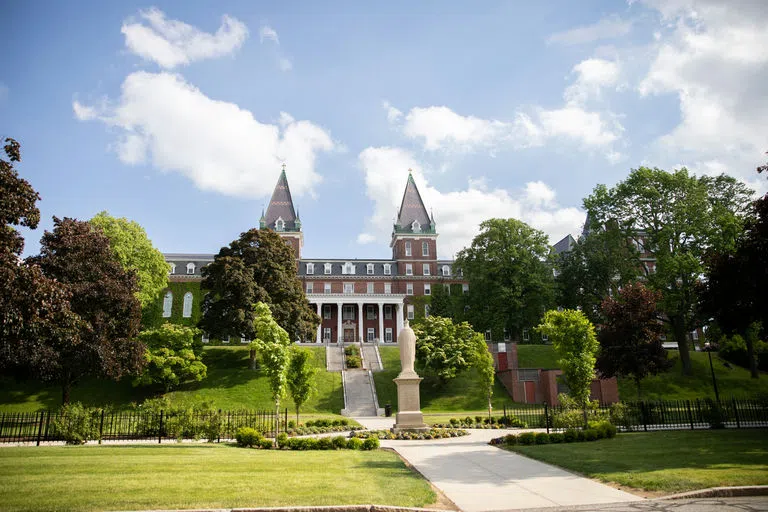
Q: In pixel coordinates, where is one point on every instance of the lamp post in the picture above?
(712, 369)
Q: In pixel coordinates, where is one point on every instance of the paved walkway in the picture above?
(478, 477)
(358, 394)
(371, 357)
(333, 359)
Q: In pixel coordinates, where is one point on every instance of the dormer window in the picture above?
(173, 268)
(416, 227)
(387, 269)
(310, 268)
(348, 268)
(446, 270)
(369, 269)
(327, 268)
(279, 224)
(190, 268)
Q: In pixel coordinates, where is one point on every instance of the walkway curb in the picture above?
(721, 492)
(326, 508)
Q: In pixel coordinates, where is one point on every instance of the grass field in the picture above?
(461, 394)
(201, 476)
(230, 385)
(666, 461)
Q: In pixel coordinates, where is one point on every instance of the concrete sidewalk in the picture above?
(478, 477)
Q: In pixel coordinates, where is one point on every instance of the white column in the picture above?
(360, 322)
(400, 311)
(339, 334)
(320, 325)
(380, 334)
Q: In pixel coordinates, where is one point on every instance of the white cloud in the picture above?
(365, 238)
(268, 33)
(284, 64)
(459, 212)
(219, 146)
(592, 75)
(606, 28)
(441, 127)
(592, 129)
(393, 114)
(172, 43)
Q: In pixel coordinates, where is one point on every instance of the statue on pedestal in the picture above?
(409, 417)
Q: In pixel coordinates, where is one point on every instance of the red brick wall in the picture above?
(398, 250)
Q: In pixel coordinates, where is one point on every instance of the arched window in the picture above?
(167, 304)
(446, 270)
(187, 310)
(279, 224)
(173, 268)
(416, 227)
(190, 268)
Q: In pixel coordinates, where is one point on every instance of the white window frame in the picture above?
(370, 334)
(348, 269)
(173, 268)
(326, 334)
(326, 311)
(695, 335)
(465, 288)
(167, 304)
(488, 335)
(244, 340)
(310, 287)
(310, 268)
(349, 288)
(416, 227)
(327, 268)
(409, 311)
(425, 248)
(388, 335)
(190, 268)
(348, 312)
(427, 289)
(186, 311)
(369, 269)
(225, 340)
(545, 337)
(387, 311)
(205, 338)
(426, 310)
(370, 312)
(407, 248)
(526, 335)
(279, 224)
(506, 335)
(387, 288)
(369, 287)
(409, 269)
(426, 269)
(446, 271)
(409, 288)
(327, 288)
(387, 269)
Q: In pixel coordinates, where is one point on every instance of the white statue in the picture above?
(406, 340)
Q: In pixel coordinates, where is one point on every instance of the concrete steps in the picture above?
(371, 357)
(334, 361)
(359, 396)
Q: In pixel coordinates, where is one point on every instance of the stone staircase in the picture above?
(334, 361)
(359, 399)
(371, 357)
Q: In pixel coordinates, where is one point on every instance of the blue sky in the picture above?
(179, 116)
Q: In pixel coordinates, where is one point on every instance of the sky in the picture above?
(179, 115)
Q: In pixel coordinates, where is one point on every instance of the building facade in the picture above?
(357, 299)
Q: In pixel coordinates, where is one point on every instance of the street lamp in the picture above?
(708, 348)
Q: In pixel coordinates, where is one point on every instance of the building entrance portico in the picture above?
(349, 332)
(358, 317)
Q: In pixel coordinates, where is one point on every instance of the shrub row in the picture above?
(434, 433)
(481, 422)
(338, 422)
(596, 430)
(250, 438)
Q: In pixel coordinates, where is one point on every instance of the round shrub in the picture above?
(510, 439)
(355, 443)
(266, 444)
(580, 436)
(468, 421)
(591, 435)
(542, 438)
(371, 443)
(248, 437)
(291, 424)
(339, 442)
(556, 438)
(527, 438)
(311, 443)
(325, 443)
(454, 422)
(570, 435)
(282, 439)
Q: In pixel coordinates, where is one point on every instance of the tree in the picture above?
(301, 377)
(173, 355)
(102, 294)
(257, 267)
(677, 218)
(272, 343)
(510, 276)
(630, 337)
(135, 252)
(734, 292)
(440, 303)
(573, 338)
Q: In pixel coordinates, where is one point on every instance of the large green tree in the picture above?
(174, 355)
(573, 338)
(102, 294)
(677, 217)
(509, 270)
(630, 335)
(134, 251)
(257, 267)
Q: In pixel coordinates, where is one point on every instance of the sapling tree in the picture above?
(273, 345)
(301, 377)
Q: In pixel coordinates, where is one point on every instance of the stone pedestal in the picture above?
(409, 417)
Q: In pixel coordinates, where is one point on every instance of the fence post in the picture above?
(736, 412)
(101, 426)
(546, 416)
(285, 424)
(218, 439)
(160, 430)
(40, 428)
(690, 413)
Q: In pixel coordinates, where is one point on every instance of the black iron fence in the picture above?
(98, 424)
(646, 415)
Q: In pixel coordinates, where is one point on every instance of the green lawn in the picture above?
(229, 385)
(536, 356)
(460, 395)
(201, 476)
(666, 461)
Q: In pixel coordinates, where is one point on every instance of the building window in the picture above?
(349, 287)
(167, 304)
(310, 268)
(327, 288)
(327, 268)
(407, 248)
(327, 311)
(371, 334)
(424, 248)
(506, 334)
(427, 289)
(416, 227)
(409, 311)
(225, 340)
(370, 288)
(387, 269)
(426, 270)
(426, 310)
(388, 335)
(465, 288)
(187, 305)
(488, 335)
(205, 339)
(409, 288)
(244, 340)
(348, 269)
(526, 335)
(446, 271)
(173, 268)
(370, 312)
(327, 334)
(348, 313)
(387, 288)
(310, 287)
(387, 312)
(369, 269)
(544, 338)
(279, 224)
(408, 269)
(695, 335)
(190, 268)
(502, 347)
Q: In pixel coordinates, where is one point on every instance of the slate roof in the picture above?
(564, 245)
(281, 206)
(412, 209)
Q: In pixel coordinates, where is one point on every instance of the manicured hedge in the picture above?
(596, 430)
(250, 438)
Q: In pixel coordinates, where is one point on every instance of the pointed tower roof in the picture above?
(281, 207)
(413, 216)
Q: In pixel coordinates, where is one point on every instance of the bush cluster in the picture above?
(76, 424)
(434, 433)
(597, 430)
(324, 422)
(249, 438)
(353, 358)
(484, 422)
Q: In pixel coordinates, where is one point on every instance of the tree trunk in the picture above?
(681, 337)
(66, 386)
(297, 415)
(639, 393)
(252, 359)
(751, 355)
